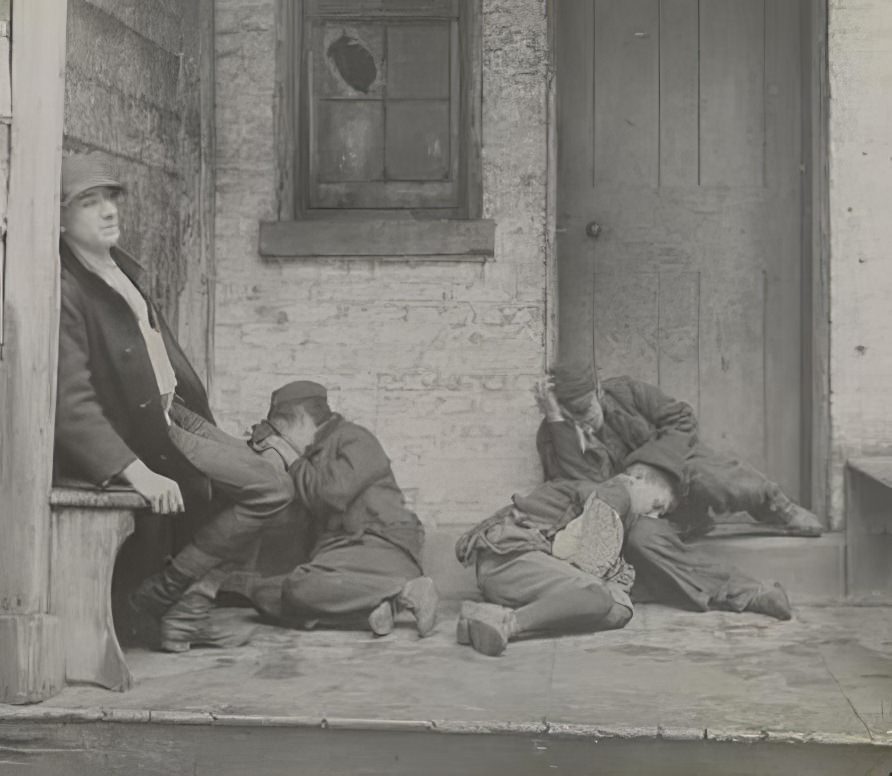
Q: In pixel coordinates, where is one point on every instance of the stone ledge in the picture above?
(393, 239)
(85, 497)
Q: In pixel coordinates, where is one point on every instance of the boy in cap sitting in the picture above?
(365, 566)
(593, 430)
(120, 369)
(551, 563)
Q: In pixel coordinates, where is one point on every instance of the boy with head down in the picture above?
(593, 430)
(365, 566)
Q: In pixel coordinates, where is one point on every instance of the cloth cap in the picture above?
(299, 390)
(573, 379)
(82, 172)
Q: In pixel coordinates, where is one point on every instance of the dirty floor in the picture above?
(824, 676)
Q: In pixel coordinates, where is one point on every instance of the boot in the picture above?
(420, 597)
(490, 629)
(154, 596)
(188, 624)
(773, 602)
(470, 610)
(796, 519)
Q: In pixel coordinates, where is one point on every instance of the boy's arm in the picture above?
(562, 456)
(662, 410)
(358, 462)
(83, 432)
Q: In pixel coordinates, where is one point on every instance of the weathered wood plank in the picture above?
(626, 324)
(574, 52)
(679, 336)
(384, 238)
(627, 76)
(679, 93)
(85, 541)
(818, 459)
(784, 360)
(732, 74)
(30, 657)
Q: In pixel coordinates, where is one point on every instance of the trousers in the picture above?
(680, 574)
(250, 487)
(343, 582)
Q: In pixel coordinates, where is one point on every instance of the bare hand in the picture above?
(547, 401)
(274, 442)
(162, 493)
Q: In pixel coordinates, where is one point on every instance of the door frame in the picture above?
(815, 251)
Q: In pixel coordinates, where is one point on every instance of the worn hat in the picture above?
(299, 390)
(573, 379)
(82, 172)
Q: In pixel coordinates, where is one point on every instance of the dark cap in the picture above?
(573, 379)
(82, 172)
(299, 390)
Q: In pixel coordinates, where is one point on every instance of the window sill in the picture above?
(398, 239)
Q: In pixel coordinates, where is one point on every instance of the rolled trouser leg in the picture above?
(344, 585)
(547, 596)
(684, 575)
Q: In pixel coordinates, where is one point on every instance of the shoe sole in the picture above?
(421, 599)
(381, 619)
(486, 639)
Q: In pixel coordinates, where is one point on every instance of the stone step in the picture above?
(812, 570)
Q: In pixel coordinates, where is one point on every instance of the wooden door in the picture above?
(679, 134)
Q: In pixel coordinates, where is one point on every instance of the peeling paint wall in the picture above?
(438, 359)
(860, 56)
(132, 92)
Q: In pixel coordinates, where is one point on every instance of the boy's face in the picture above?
(90, 220)
(652, 496)
(299, 430)
(586, 409)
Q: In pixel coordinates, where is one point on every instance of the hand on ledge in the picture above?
(163, 494)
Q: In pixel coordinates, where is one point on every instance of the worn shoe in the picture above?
(188, 624)
(148, 603)
(420, 597)
(381, 619)
(773, 602)
(469, 609)
(796, 519)
(490, 630)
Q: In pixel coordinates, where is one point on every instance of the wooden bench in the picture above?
(88, 529)
(869, 529)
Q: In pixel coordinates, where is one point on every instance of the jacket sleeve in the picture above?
(335, 481)
(563, 458)
(84, 435)
(664, 412)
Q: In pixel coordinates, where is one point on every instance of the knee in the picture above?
(271, 492)
(298, 590)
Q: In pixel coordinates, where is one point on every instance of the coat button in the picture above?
(145, 404)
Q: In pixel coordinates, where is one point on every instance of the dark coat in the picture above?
(108, 411)
(641, 424)
(345, 481)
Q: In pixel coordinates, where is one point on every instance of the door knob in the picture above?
(593, 229)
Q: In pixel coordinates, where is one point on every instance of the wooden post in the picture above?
(31, 662)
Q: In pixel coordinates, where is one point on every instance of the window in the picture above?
(379, 120)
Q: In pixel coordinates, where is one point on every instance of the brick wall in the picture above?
(860, 55)
(437, 358)
(132, 92)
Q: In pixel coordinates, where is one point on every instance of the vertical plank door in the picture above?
(679, 134)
